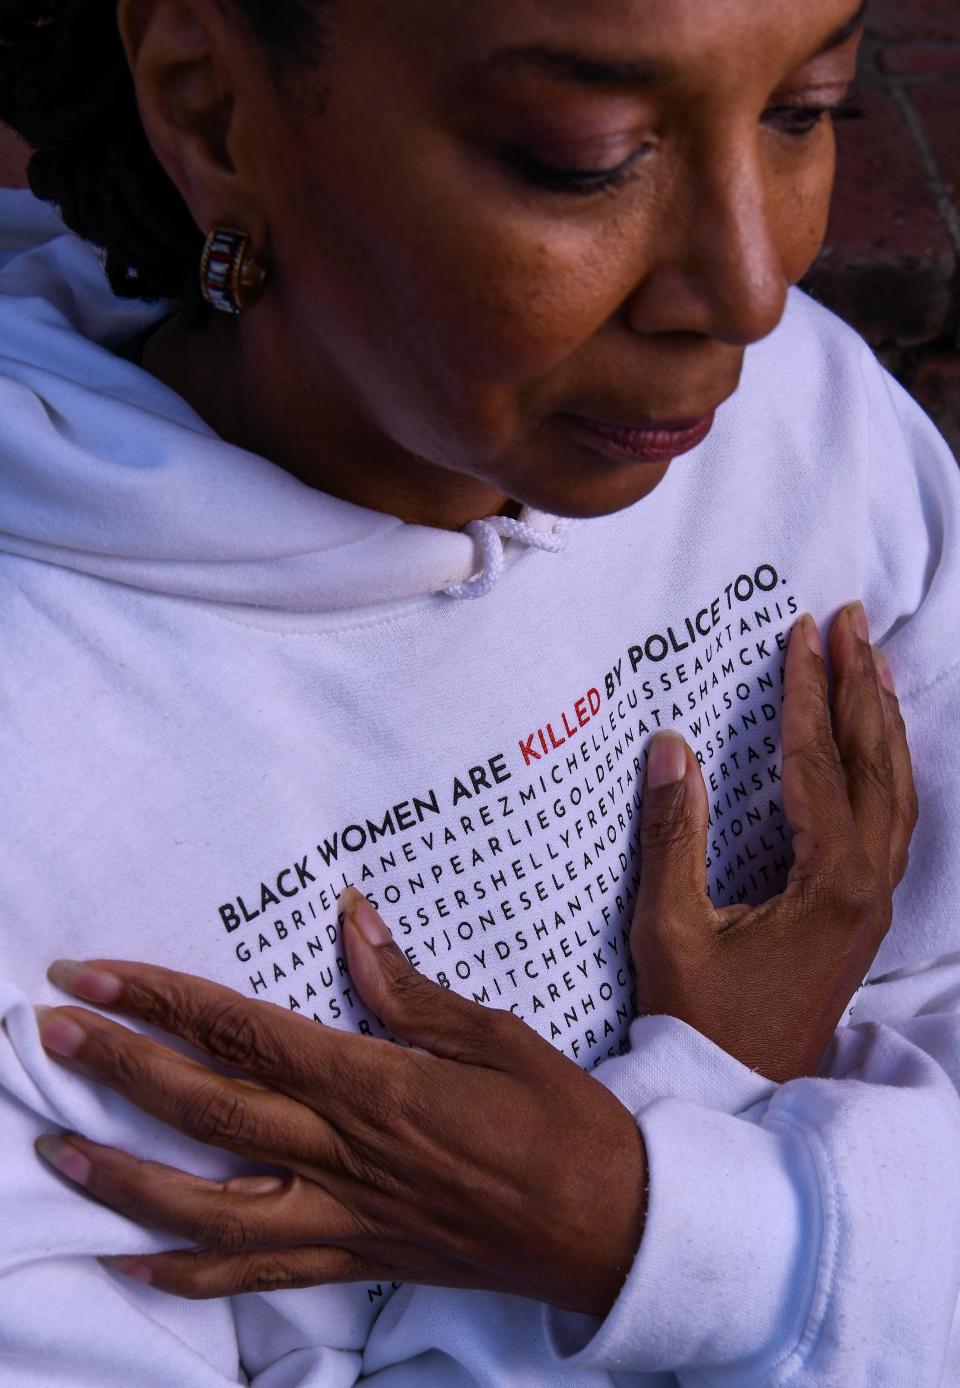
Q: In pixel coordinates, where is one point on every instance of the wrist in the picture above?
(617, 1211)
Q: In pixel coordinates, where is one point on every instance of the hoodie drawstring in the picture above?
(490, 534)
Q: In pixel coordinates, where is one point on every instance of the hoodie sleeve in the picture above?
(809, 1234)
(65, 1320)
(812, 1239)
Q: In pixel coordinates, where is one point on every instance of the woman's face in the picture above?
(505, 219)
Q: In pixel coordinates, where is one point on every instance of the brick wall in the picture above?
(891, 261)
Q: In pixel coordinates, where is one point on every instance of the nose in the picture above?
(719, 270)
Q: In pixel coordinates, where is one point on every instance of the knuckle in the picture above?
(376, 1099)
(124, 1062)
(166, 1005)
(223, 1229)
(876, 765)
(191, 1278)
(667, 826)
(474, 1034)
(219, 1116)
(819, 894)
(411, 988)
(822, 758)
(506, 1041)
(362, 1163)
(235, 1036)
(811, 683)
(119, 1188)
(863, 673)
(505, 1027)
(906, 816)
(269, 1275)
(408, 994)
(859, 890)
(846, 884)
(809, 694)
(353, 1267)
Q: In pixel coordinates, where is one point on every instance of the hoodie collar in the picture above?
(108, 472)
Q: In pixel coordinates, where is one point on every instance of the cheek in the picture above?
(802, 211)
(500, 305)
(449, 324)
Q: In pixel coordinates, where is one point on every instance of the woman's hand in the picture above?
(769, 984)
(485, 1159)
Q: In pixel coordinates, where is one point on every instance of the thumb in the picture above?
(414, 1007)
(673, 834)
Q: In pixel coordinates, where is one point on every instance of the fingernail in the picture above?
(64, 1157)
(93, 985)
(667, 760)
(364, 917)
(811, 635)
(59, 1034)
(858, 620)
(254, 1185)
(884, 673)
(129, 1267)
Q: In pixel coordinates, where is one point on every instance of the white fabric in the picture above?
(225, 695)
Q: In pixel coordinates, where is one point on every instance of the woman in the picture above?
(479, 268)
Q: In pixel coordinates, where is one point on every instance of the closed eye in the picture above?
(801, 118)
(794, 119)
(553, 178)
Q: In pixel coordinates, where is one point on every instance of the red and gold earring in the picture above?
(231, 279)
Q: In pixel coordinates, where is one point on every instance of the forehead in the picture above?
(463, 37)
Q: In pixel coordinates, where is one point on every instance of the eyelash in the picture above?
(794, 121)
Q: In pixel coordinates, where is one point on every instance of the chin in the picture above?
(589, 493)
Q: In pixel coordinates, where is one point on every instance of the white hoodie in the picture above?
(224, 695)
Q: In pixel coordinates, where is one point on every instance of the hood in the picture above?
(106, 471)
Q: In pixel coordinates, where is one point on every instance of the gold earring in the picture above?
(230, 279)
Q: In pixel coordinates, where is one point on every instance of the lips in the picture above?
(658, 441)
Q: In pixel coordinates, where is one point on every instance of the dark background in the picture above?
(891, 261)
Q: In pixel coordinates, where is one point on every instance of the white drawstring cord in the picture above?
(490, 535)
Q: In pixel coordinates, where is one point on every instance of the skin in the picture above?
(430, 315)
(434, 318)
(14, 156)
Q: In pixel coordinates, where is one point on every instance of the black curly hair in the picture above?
(66, 89)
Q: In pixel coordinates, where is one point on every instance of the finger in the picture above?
(234, 1216)
(814, 788)
(861, 734)
(904, 804)
(202, 1275)
(291, 1054)
(207, 1107)
(673, 835)
(415, 1007)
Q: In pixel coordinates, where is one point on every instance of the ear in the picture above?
(192, 70)
(14, 157)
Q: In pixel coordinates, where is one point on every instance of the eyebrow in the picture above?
(567, 65)
(846, 31)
